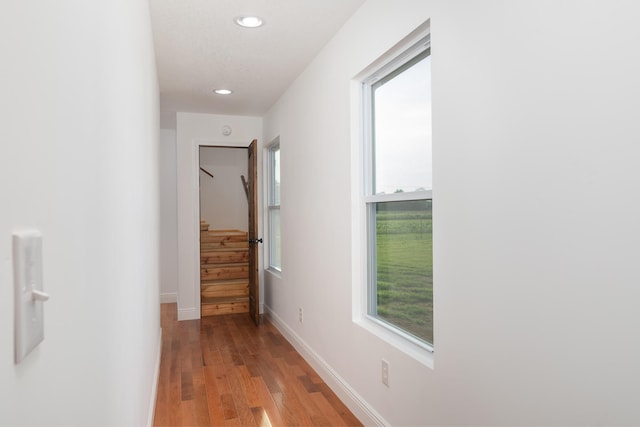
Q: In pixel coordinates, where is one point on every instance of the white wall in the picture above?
(194, 130)
(78, 161)
(168, 217)
(223, 202)
(536, 212)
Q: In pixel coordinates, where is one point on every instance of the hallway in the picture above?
(223, 370)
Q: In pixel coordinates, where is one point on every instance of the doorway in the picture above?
(228, 230)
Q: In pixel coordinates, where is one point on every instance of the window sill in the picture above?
(274, 272)
(419, 352)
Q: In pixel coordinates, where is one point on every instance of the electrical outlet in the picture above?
(300, 314)
(385, 372)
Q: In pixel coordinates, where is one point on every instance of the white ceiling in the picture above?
(199, 48)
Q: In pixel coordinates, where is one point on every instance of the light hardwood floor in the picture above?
(225, 371)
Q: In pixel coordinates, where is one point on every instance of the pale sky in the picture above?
(403, 131)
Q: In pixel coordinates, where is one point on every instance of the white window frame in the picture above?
(272, 205)
(404, 52)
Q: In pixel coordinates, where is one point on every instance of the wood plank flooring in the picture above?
(225, 371)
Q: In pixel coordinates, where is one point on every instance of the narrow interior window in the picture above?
(273, 207)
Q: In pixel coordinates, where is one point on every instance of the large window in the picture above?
(273, 206)
(398, 200)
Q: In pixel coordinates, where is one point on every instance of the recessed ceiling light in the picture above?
(249, 21)
(223, 91)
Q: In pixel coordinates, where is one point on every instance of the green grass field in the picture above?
(405, 266)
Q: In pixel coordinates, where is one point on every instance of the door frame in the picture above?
(195, 188)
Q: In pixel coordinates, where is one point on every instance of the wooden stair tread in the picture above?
(224, 244)
(217, 265)
(224, 249)
(225, 289)
(225, 252)
(209, 282)
(206, 246)
(230, 307)
(226, 232)
(223, 300)
(224, 276)
(216, 242)
(233, 265)
(233, 271)
(223, 235)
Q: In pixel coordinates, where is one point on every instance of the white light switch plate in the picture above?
(27, 272)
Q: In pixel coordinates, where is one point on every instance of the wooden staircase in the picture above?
(224, 271)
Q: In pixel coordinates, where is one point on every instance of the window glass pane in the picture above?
(274, 207)
(276, 177)
(402, 130)
(275, 256)
(404, 266)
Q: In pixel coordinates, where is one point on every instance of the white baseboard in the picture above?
(188, 313)
(154, 386)
(168, 297)
(360, 408)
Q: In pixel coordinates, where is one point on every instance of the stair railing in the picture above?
(206, 171)
(245, 185)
